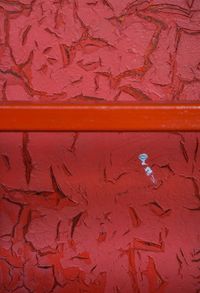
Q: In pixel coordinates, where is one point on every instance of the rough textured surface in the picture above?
(89, 50)
(79, 214)
(77, 211)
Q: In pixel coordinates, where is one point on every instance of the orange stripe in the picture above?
(100, 117)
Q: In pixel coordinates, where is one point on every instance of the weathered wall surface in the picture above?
(99, 49)
(77, 211)
(79, 214)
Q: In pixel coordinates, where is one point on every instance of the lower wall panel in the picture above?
(80, 212)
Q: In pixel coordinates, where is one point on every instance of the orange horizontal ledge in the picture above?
(100, 117)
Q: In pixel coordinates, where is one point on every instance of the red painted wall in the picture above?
(99, 49)
(78, 212)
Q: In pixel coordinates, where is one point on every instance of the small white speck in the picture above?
(149, 172)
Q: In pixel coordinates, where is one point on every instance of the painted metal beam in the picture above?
(100, 117)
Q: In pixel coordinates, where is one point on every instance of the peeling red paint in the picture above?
(84, 230)
(99, 50)
(77, 211)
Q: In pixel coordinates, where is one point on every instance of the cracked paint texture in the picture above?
(94, 50)
(77, 211)
(79, 214)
